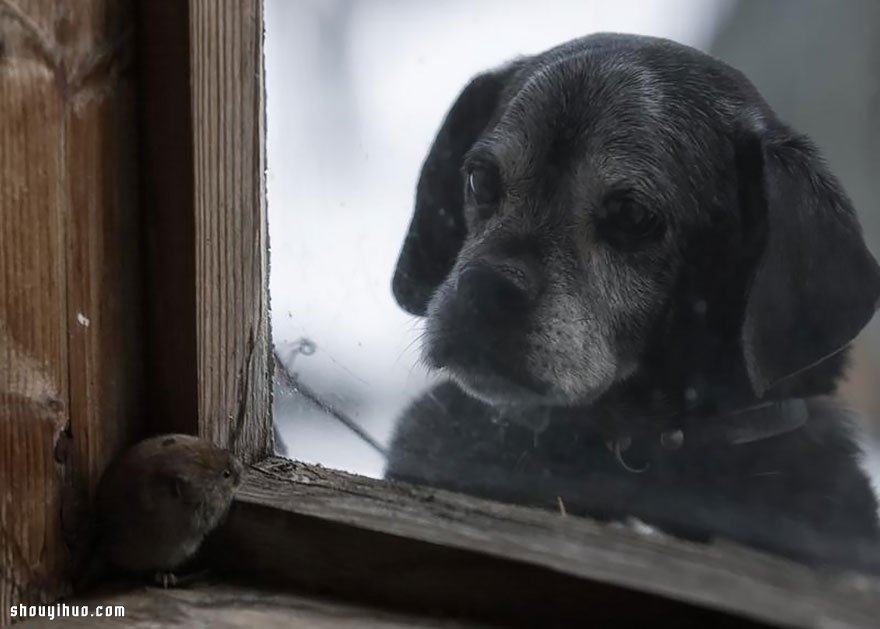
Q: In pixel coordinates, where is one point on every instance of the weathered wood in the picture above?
(230, 218)
(235, 607)
(204, 163)
(415, 546)
(69, 277)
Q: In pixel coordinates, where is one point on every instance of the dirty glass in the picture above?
(609, 277)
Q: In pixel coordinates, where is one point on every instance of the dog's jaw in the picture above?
(497, 390)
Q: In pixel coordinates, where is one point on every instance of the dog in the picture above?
(641, 285)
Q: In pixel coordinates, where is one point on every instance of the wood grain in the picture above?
(69, 278)
(203, 160)
(406, 545)
(230, 225)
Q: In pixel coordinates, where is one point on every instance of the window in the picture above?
(467, 295)
(135, 300)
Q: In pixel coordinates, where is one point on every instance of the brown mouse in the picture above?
(157, 502)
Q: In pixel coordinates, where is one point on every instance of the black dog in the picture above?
(641, 284)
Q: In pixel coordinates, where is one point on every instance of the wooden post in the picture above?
(235, 381)
(72, 283)
(203, 163)
(70, 392)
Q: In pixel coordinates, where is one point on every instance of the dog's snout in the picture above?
(494, 290)
(481, 313)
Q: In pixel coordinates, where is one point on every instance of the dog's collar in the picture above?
(750, 424)
(734, 428)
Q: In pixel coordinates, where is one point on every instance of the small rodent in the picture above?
(157, 502)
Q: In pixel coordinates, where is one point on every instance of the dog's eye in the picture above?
(626, 224)
(484, 187)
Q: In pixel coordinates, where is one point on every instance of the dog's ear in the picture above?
(437, 229)
(815, 285)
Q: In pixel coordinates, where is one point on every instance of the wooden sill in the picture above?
(408, 556)
(423, 549)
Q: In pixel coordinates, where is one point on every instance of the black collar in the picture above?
(750, 424)
(734, 428)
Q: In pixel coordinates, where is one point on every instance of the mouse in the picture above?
(156, 503)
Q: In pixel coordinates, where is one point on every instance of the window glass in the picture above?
(609, 276)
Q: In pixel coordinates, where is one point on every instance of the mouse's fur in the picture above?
(157, 502)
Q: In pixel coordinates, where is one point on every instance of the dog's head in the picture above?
(621, 200)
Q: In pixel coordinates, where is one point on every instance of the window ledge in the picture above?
(427, 549)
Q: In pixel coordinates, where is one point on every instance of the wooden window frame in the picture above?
(401, 545)
(207, 370)
(203, 177)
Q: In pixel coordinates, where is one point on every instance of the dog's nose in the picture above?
(491, 291)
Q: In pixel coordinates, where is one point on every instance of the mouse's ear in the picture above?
(437, 229)
(815, 285)
(177, 486)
